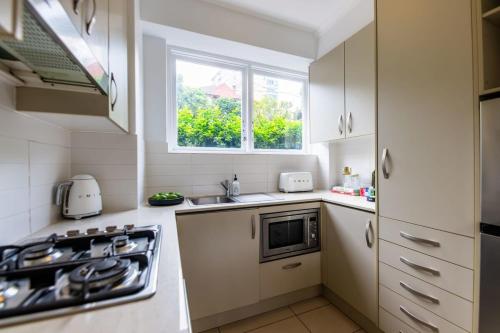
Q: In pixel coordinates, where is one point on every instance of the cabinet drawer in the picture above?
(455, 279)
(451, 307)
(439, 244)
(289, 274)
(391, 324)
(414, 315)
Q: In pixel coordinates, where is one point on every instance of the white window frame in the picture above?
(248, 69)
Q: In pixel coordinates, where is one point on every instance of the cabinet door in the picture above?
(95, 28)
(11, 13)
(74, 10)
(351, 263)
(360, 82)
(220, 260)
(425, 113)
(118, 63)
(326, 97)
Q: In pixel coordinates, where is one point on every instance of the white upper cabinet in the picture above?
(360, 82)
(351, 258)
(11, 19)
(425, 113)
(220, 260)
(118, 63)
(95, 28)
(326, 97)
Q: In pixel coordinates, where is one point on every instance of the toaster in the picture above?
(295, 182)
(79, 197)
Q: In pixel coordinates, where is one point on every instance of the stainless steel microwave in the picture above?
(288, 234)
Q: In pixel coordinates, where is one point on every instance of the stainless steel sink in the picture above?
(211, 200)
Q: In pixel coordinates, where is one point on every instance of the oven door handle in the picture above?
(292, 265)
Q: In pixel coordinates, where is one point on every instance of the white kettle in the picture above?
(80, 196)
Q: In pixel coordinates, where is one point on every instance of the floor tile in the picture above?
(322, 320)
(290, 325)
(251, 323)
(309, 304)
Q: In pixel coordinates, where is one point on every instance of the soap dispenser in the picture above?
(236, 186)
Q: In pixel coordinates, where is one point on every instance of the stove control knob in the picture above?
(73, 233)
(92, 231)
(128, 226)
(111, 228)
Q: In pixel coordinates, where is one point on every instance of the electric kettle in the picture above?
(79, 197)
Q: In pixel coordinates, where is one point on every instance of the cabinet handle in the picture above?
(76, 6)
(90, 23)
(292, 266)
(253, 226)
(432, 271)
(349, 122)
(385, 155)
(418, 320)
(368, 233)
(418, 293)
(341, 124)
(115, 97)
(419, 240)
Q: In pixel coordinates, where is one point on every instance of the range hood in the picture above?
(53, 49)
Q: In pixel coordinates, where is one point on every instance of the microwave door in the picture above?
(490, 161)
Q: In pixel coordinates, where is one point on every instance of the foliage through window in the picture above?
(211, 107)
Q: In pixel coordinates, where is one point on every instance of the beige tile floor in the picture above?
(315, 315)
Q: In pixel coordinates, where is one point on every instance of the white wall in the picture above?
(200, 174)
(354, 20)
(357, 153)
(34, 157)
(209, 19)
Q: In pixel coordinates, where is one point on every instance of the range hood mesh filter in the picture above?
(43, 55)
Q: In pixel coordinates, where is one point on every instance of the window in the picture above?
(226, 105)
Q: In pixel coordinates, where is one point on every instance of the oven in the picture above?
(288, 234)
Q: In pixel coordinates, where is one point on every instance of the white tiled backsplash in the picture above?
(112, 160)
(200, 174)
(34, 157)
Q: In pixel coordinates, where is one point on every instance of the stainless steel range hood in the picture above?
(53, 48)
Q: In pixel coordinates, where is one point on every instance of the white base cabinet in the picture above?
(351, 258)
(220, 260)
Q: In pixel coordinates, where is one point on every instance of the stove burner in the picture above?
(106, 272)
(41, 253)
(122, 244)
(38, 251)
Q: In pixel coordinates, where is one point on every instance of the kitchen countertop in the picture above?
(167, 310)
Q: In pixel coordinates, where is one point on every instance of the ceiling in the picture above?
(310, 15)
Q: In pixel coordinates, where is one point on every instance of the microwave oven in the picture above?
(288, 234)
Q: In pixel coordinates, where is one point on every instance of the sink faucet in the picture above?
(226, 184)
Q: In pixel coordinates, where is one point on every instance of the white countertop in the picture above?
(166, 311)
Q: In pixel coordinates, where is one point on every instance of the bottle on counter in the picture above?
(236, 186)
(347, 177)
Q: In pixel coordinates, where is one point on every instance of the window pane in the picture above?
(277, 113)
(208, 106)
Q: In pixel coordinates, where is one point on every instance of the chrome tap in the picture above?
(226, 184)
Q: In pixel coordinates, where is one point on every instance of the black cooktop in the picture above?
(78, 271)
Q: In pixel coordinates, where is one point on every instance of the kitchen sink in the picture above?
(211, 200)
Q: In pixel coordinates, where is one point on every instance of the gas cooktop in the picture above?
(78, 271)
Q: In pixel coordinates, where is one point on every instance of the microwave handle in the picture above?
(59, 192)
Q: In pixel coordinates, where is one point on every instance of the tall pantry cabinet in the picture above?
(425, 131)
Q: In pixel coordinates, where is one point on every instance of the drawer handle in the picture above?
(253, 226)
(419, 267)
(292, 266)
(418, 293)
(418, 320)
(419, 240)
(90, 23)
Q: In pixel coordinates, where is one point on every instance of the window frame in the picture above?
(248, 70)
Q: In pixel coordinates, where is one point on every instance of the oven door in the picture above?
(285, 235)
